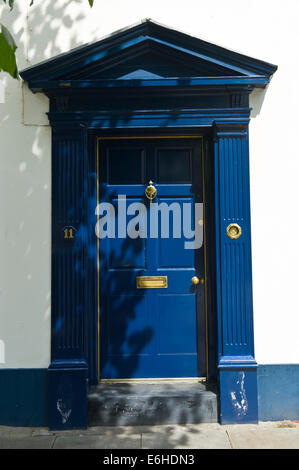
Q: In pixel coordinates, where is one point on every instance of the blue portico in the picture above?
(150, 89)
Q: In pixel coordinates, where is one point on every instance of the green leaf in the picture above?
(90, 2)
(7, 52)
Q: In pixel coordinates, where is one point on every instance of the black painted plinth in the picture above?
(67, 396)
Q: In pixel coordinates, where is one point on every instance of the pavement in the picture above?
(265, 435)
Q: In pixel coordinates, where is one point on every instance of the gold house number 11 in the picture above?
(68, 233)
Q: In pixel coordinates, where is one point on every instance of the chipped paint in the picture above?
(239, 399)
(62, 410)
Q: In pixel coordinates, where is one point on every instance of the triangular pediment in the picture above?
(147, 51)
(149, 60)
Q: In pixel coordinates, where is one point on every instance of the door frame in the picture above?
(131, 136)
(228, 179)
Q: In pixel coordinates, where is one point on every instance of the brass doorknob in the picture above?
(195, 280)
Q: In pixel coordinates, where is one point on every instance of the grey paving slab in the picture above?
(267, 438)
(172, 428)
(4, 431)
(42, 442)
(20, 431)
(265, 435)
(102, 430)
(180, 438)
(98, 442)
(42, 432)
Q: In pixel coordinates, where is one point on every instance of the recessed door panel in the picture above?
(174, 233)
(174, 166)
(124, 252)
(176, 324)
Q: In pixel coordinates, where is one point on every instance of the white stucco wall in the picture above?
(259, 28)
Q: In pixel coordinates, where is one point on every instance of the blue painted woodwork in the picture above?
(151, 333)
(42, 85)
(238, 396)
(180, 86)
(68, 209)
(278, 391)
(234, 284)
(210, 261)
(68, 368)
(146, 119)
(67, 406)
(24, 397)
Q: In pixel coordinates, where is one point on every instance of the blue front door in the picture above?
(152, 320)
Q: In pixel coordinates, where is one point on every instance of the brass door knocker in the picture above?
(151, 191)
